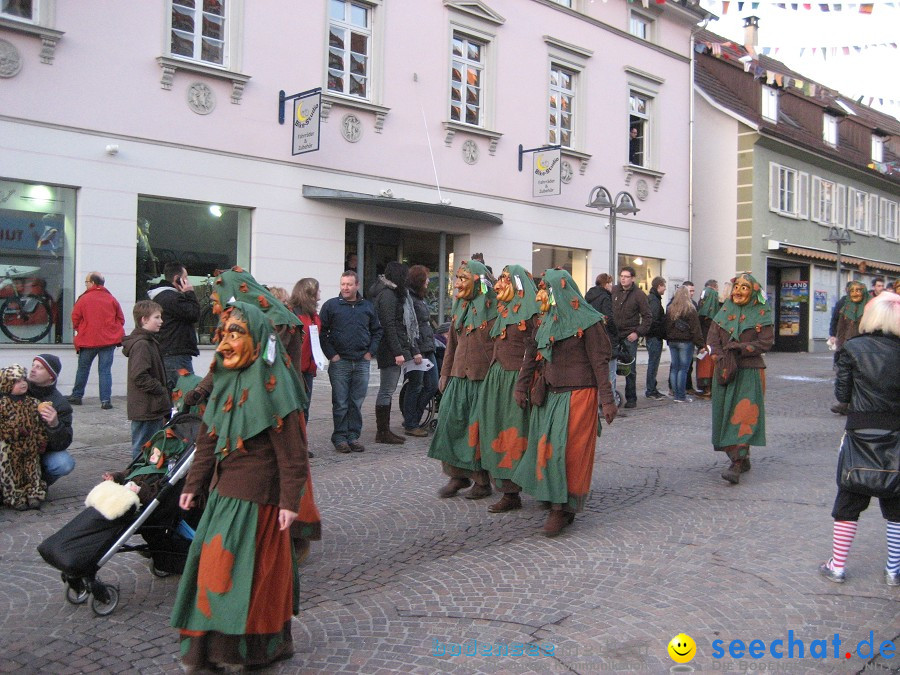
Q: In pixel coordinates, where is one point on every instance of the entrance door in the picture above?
(791, 305)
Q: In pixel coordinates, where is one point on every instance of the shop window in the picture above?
(573, 260)
(645, 268)
(37, 246)
(203, 237)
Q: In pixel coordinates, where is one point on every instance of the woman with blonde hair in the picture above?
(872, 430)
(682, 328)
(304, 303)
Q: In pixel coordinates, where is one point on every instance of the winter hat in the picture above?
(51, 363)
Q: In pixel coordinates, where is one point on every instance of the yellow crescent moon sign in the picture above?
(541, 166)
(300, 117)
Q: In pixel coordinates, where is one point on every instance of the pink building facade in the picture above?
(134, 134)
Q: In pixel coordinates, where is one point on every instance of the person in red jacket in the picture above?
(99, 326)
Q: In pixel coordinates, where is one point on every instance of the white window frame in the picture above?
(830, 129)
(788, 191)
(35, 17)
(877, 148)
(769, 105)
(558, 92)
(887, 227)
(40, 25)
(872, 215)
(565, 3)
(467, 36)
(646, 119)
(641, 26)
(841, 206)
(230, 32)
(370, 33)
(857, 210)
(824, 201)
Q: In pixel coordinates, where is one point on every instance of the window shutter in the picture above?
(873, 214)
(841, 206)
(883, 220)
(816, 199)
(851, 208)
(774, 174)
(803, 195)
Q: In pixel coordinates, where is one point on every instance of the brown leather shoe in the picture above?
(388, 436)
(509, 502)
(479, 492)
(342, 448)
(453, 486)
(356, 446)
(556, 522)
(416, 431)
(733, 473)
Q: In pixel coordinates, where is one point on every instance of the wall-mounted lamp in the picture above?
(387, 192)
(112, 149)
(215, 210)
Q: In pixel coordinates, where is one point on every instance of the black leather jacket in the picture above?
(867, 379)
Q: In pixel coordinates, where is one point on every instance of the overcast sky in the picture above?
(873, 72)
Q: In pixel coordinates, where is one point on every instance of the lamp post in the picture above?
(841, 237)
(601, 199)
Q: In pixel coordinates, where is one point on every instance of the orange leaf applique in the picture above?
(473, 439)
(240, 445)
(521, 325)
(580, 333)
(562, 283)
(743, 317)
(511, 445)
(746, 414)
(544, 453)
(229, 403)
(262, 301)
(575, 303)
(279, 424)
(516, 306)
(270, 384)
(176, 395)
(214, 573)
(243, 287)
(503, 311)
(731, 317)
(521, 294)
(170, 433)
(237, 268)
(762, 312)
(243, 398)
(184, 371)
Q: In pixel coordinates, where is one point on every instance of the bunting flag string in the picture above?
(823, 7)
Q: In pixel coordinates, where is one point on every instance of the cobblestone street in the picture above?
(402, 579)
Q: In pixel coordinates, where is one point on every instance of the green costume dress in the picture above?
(562, 430)
(236, 596)
(850, 316)
(503, 425)
(738, 408)
(456, 441)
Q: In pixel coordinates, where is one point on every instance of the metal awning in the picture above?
(815, 254)
(383, 202)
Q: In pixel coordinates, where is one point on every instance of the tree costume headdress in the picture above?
(569, 314)
(238, 284)
(246, 402)
(476, 311)
(523, 305)
(735, 319)
(709, 302)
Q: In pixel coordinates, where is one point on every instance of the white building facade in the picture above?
(159, 140)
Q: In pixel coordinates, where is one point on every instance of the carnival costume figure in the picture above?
(709, 307)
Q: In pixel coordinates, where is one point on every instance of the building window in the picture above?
(888, 224)
(877, 149)
(466, 76)
(37, 253)
(639, 130)
(830, 129)
(857, 209)
(770, 103)
(198, 30)
(788, 191)
(19, 9)
(640, 26)
(561, 112)
(350, 48)
(564, 3)
(573, 260)
(203, 237)
(824, 195)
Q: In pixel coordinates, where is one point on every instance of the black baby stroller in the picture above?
(90, 539)
(429, 415)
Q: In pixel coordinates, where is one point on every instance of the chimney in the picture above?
(751, 33)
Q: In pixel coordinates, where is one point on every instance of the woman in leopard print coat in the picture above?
(23, 437)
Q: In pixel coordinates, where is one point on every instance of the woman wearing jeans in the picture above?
(423, 384)
(682, 327)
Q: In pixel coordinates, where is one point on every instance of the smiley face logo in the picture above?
(682, 648)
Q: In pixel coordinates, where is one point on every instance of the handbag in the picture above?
(869, 463)
(726, 367)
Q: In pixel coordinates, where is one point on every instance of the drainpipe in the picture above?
(694, 31)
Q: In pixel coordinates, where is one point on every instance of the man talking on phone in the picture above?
(178, 335)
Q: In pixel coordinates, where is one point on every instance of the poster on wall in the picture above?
(789, 323)
(820, 301)
(29, 231)
(794, 291)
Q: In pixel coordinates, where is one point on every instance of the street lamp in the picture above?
(841, 237)
(601, 199)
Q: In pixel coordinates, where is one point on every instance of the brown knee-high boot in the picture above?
(740, 462)
(383, 420)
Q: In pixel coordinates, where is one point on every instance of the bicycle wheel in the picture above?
(26, 318)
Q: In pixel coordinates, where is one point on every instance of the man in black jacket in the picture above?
(55, 462)
(181, 311)
(655, 335)
(632, 317)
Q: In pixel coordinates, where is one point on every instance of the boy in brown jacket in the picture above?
(149, 401)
